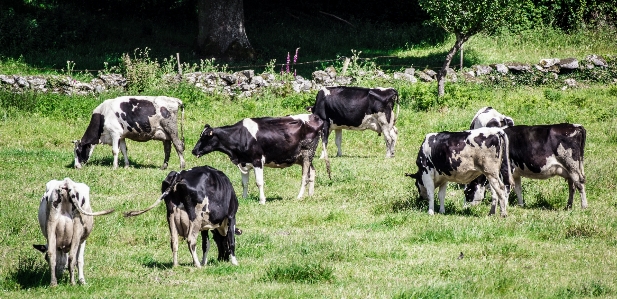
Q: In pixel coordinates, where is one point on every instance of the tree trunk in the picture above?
(443, 72)
(221, 30)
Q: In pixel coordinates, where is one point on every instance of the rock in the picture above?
(596, 60)
(568, 64)
(424, 77)
(548, 62)
(518, 67)
(430, 73)
(482, 69)
(570, 82)
(410, 71)
(331, 71)
(248, 73)
(501, 68)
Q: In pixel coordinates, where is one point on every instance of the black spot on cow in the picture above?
(165, 113)
(136, 112)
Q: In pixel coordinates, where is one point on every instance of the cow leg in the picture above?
(259, 180)
(231, 241)
(179, 146)
(80, 262)
(305, 177)
(51, 252)
(442, 197)
(75, 244)
(205, 246)
(430, 193)
(338, 140)
(191, 241)
(167, 150)
(581, 189)
(244, 171)
(123, 149)
(518, 189)
(173, 233)
(390, 134)
(311, 179)
(499, 188)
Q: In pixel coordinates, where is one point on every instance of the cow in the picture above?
(357, 108)
(276, 142)
(66, 221)
(542, 152)
(489, 117)
(461, 157)
(139, 118)
(199, 199)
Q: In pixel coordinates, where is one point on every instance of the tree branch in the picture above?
(328, 14)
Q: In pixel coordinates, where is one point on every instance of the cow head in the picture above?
(82, 152)
(419, 183)
(207, 142)
(475, 190)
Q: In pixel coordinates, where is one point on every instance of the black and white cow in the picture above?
(66, 221)
(200, 199)
(139, 118)
(489, 117)
(461, 157)
(542, 152)
(357, 108)
(256, 143)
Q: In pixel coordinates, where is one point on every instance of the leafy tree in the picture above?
(465, 19)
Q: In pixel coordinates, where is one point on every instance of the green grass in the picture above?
(363, 234)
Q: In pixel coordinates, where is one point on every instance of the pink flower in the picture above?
(287, 62)
(296, 56)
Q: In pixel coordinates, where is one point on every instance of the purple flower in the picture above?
(296, 56)
(287, 62)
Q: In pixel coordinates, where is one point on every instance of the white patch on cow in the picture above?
(383, 88)
(484, 116)
(326, 91)
(369, 122)
(252, 126)
(303, 117)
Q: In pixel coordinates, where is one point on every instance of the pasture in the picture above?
(364, 234)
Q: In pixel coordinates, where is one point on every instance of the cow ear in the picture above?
(76, 141)
(41, 248)
(309, 109)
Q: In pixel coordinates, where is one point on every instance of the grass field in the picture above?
(364, 234)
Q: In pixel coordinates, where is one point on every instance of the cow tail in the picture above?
(507, 174)
(398, 106)
(327, 161)
(83, 212)
(182, 124)
(155, 204)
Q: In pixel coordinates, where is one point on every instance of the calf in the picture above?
(139, 118)
(199, 199)
(66, 221)
(489, 117)
(461, 157)
(542, 152)
(266, 142)
(356, 108)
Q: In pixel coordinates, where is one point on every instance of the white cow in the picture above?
(66, 221)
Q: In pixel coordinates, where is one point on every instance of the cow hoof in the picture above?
(234, 261)
(431, 212)
(262, 201)
(82, 281)
(164, 166)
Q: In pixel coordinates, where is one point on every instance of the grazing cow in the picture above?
(256, 143)
(461, 157)
(199, 199)
(542, 152)
(356, 108)
(66, 220)
(139, 118)
(489, 117)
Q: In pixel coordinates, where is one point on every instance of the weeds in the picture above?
(302, 273)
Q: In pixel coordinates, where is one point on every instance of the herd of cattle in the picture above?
(493, 152)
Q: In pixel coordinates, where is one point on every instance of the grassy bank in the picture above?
(363, 233)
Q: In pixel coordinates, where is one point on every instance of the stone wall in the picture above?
(246, 82)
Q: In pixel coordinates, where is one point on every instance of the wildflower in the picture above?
(287, 62)
(296, 56)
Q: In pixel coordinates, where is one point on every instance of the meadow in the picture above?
(364, 233)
